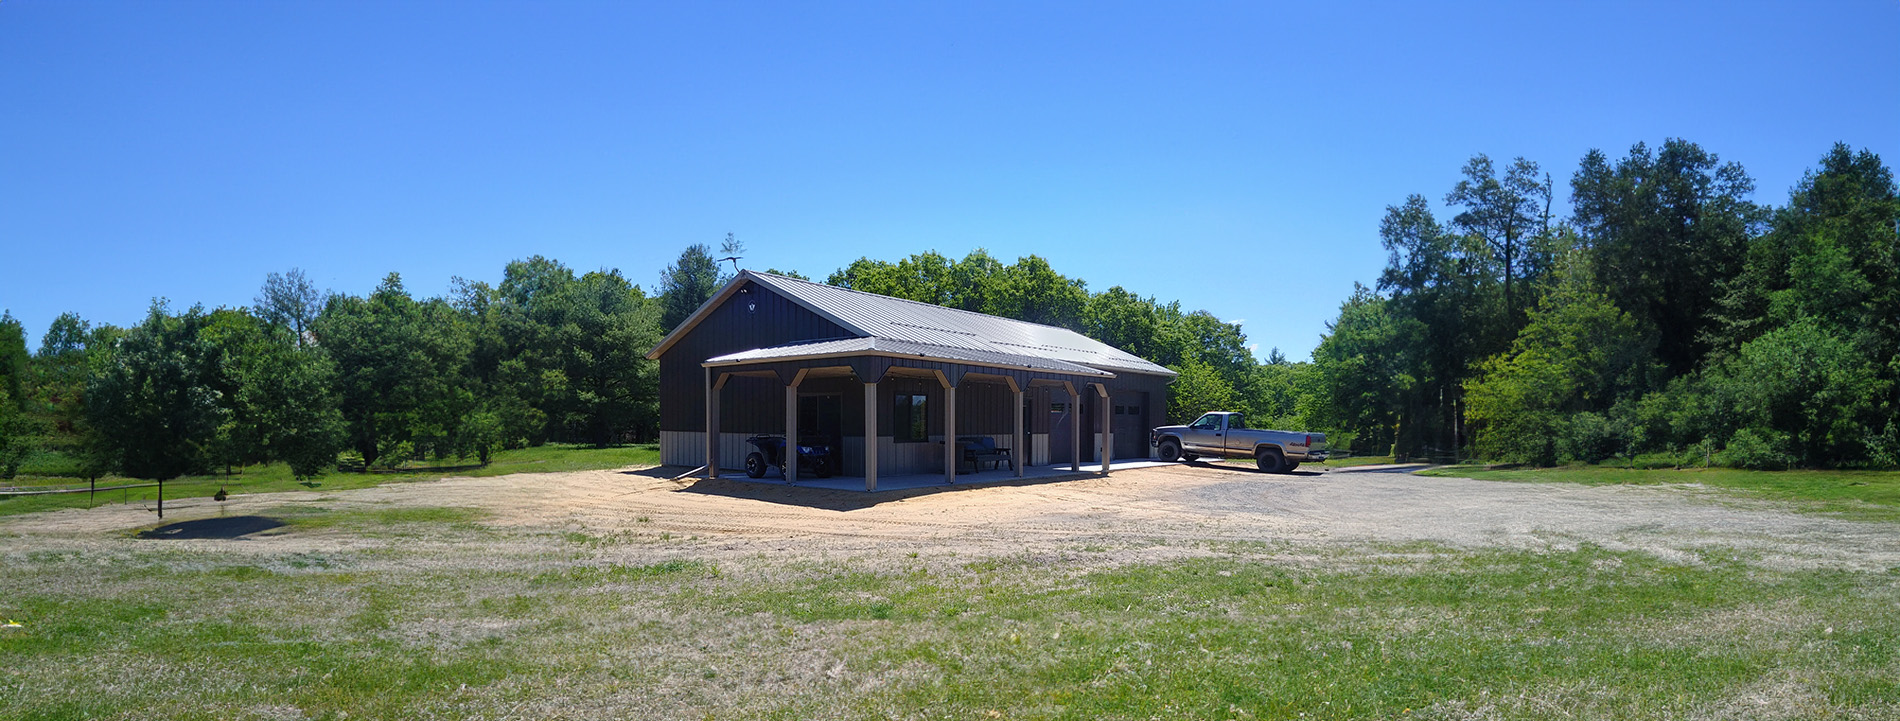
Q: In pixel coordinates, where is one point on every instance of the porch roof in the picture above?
(896, 348)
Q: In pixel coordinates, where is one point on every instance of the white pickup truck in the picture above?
(1227, 435)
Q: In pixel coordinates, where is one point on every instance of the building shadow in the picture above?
(827, 499)
(831, 499)
(219, 528)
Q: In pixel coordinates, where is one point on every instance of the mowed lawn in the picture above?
(437, 613)
(276, 477)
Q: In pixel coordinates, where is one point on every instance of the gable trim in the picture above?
(745, 276)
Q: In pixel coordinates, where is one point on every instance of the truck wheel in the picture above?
(1168, 450)
(820, 468)
(755, 465)
(1270, 461)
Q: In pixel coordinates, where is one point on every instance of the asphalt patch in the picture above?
(230, 527)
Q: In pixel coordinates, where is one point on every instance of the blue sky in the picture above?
(1236, 157)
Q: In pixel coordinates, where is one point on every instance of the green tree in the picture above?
(16, 436)
(1666, 230)
(154, 400)
(1126, 321)
(1806, 392)
(1579, 353)
(688, 283)
(69, 352)
(1805, 354)
(232, 337)
(1438, 283)
(1507, 215)
(1833, 254)
(1362, 368)
(1198, 389)
(289, 300)
(287, 399)
(1272, 397)
(402, 377)
(572, 348)
(13, 360)
(1031, 290)
(929, 277)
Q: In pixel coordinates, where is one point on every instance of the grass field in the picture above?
(449, 617)
(276, 477)
(354, 605)
(1868, 495)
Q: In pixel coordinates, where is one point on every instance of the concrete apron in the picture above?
(935, 480)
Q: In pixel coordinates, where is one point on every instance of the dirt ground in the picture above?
(1136, 514)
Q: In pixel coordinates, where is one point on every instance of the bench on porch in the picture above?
(974, 450)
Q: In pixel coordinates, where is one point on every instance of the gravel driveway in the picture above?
(1142, 513)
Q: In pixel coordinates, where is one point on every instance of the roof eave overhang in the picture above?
(1163, 372)
(1091, 372)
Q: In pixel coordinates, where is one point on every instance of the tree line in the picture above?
(303, 377)
(1668, 315)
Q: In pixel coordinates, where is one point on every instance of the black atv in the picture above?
(812, 457)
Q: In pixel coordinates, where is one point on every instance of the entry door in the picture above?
(1086, 406)
(1130, 424)
(1061, 420)
(821, 419)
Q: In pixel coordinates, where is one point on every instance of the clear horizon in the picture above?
(185, 150)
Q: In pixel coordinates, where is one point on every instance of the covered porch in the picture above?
(902, 413)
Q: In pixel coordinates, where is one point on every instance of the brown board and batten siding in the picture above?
(729, 328)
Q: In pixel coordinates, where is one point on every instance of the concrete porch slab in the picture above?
(935, 480)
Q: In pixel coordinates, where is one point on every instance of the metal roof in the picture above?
(896, 319)
(900, 349)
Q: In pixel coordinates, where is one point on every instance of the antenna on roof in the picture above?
(732, 247)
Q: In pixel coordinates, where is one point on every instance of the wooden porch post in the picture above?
(870, 436)
(1107, 432)
(1075, 426)
(949, 433)
(1019, 451)
(791, 427)
(712, 427)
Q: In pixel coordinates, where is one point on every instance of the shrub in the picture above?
(1757, 449)
(395, 454)
(1590, 438)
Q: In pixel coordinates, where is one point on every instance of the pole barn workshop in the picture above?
(769, 354)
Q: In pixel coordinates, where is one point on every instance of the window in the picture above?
(1209, 422)
(1134, 410)
(1121, 410)
(1057, 407)
(910, 419)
